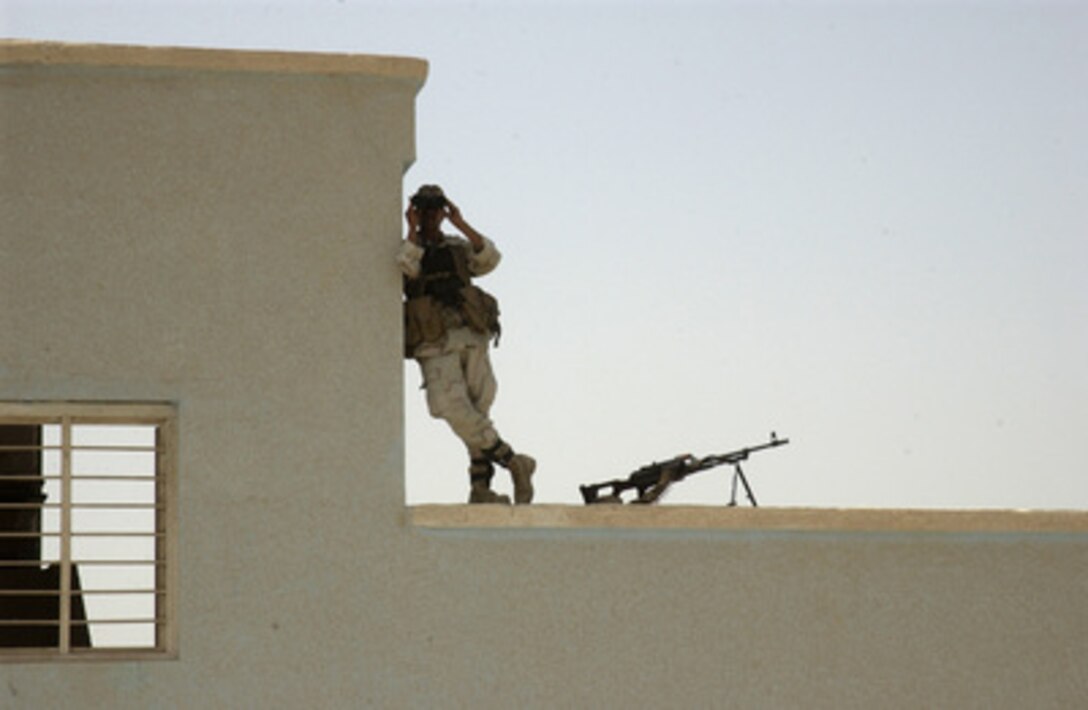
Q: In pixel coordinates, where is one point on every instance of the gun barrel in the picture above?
(742, 454)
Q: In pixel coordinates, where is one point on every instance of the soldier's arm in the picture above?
(453, 214)
(485, 256)
(410, 254)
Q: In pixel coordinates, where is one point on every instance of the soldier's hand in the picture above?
(453, 213)
(412, 216)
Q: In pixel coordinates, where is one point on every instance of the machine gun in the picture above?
(652, 480)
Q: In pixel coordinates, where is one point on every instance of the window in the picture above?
(86, 529)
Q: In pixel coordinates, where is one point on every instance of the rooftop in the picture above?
(689, 517)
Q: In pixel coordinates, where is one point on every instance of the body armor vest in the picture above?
(443, 273)
(444, 280)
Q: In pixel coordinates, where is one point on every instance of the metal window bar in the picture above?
(65, 638)
(67, 504)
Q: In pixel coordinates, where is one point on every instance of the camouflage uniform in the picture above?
(459, 381)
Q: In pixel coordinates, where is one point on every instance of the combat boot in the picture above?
(521, 471)
(480, 472)
(482, 494)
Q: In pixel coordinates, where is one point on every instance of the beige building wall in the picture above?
(217, 230)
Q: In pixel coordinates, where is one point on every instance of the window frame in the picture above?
(162, 416)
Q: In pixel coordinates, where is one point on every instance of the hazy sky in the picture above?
(859, 224)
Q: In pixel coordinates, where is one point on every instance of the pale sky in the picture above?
(861, 225)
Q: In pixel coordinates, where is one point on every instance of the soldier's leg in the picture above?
(480, 379)
(448, 399)
(480, 472)
(521, 467)
(482, 387)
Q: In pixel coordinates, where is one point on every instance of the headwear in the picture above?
(429, 197)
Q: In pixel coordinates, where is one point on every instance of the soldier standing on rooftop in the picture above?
(448, 324)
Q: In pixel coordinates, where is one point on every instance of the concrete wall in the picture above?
(217, 229)
(652, 611)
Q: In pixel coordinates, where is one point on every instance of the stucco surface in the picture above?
(224, 239)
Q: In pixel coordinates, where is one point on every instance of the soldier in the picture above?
(448, 325)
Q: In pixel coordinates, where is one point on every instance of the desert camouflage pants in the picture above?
(460, 389)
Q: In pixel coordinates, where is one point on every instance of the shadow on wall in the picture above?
(31, 588)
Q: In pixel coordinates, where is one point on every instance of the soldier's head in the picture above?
(430, 203)
(429, 197)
